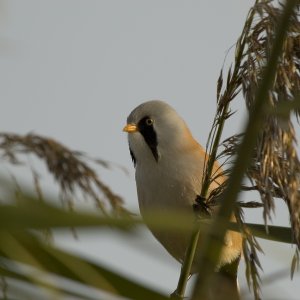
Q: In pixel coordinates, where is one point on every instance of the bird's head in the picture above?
(155, 131)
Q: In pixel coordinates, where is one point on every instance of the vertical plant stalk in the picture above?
(212, 243)
(216, 132)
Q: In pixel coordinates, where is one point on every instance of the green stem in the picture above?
(213, 154)
(186, 266)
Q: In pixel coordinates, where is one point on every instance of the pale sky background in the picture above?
(74, 69)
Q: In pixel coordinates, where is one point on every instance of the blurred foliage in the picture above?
(22, 245)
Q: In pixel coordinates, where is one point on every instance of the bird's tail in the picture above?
(224, 288)
(224, 284)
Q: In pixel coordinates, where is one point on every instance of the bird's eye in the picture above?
(149, 121)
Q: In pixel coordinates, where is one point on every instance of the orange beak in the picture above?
(130, 128)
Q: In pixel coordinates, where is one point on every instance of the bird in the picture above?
(169, 166)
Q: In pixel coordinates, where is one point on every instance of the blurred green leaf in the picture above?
(47, 285)
(272, 233)
(39, 215)
(25, 248)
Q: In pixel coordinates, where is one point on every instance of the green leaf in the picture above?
(25, 248)
(47, 285)
(295, 263)
(40, 215)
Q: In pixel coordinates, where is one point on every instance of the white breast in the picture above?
(165, 186)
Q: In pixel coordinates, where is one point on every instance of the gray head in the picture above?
(155, 130)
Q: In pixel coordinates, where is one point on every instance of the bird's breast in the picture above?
(161, 192)
(167, 185)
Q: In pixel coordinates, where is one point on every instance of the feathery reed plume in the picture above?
(275, 167)
(67, 167)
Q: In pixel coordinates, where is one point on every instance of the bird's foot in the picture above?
(200, 207)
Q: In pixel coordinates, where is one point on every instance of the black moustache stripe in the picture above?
(149, 134)
(132, 156)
